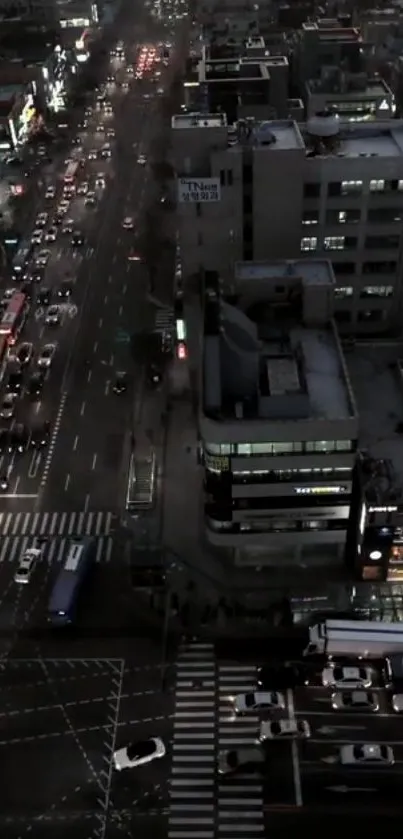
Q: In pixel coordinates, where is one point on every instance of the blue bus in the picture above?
(70, 581)
(22, 257)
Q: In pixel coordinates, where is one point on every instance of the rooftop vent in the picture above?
(324, 125)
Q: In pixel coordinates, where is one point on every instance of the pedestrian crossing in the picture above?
(240, 799)
(192, 789)
(54, 550)
(204, 804)
(57, 524)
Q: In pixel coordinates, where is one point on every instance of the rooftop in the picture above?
(356, 88)
(262, 357)
(375, 139)
(377, 380)
(199, 121)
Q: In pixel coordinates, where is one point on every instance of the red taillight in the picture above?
(182, 352)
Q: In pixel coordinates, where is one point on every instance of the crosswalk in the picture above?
(192, 789)
(203, 804)
(240, 799)
(54, 550)
(51, 525)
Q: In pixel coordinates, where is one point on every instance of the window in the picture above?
(385, 215)
(343, 216)
(311, 190)
(309, 243)
(334, 243)
(351, 187)
(342, 268)
(382, 242)
(377, 186)
(377, 291)
(283, 448)
(329, 446)
(310, 217)
(384, 267)
(343, 291)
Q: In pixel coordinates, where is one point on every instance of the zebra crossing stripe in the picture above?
(57, 524)
(13, 547)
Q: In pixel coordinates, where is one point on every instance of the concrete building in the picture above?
(56, 13)
(274, 191)
(353, 97)
(278, 423)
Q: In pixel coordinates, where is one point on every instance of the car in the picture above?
(233, 760)
(35, 384)
(125, 86)
(100, 129)
(4, 483)
(108, 110)
(137, 754)
(366, 755)
(284, 730)
(50, 192)
(65, 289)
(63, 206)
(7, 406)
(40, 435)
(282, 676)
(42, 258)
(7, 295)
(53, 315)
(347, 677)
(14, 383)
(128, 223)
(142, 160)
(51, 235)
(68, 227)
(154, 375)
(110, 133)
(24, 353)
(247, 703)
(82, 188)
(77, 239)
(354, 700)
(26, 565)
(120, 383)
(100, 182)
(105, 152)
(37, 237)
(83, 123)
(46, 356)
(19, 438)
(41, 220)
(92, 154)
(90, 199)
(44, 296)
(58, 219)
(36, 275)
(133, 256)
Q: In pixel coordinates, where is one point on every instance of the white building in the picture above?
(278, 423)
(327, 190)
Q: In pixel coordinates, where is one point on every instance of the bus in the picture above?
(141, 485)
(22, 257)
(13, 318)
(4, 349)
(71, 172)
(63, 601)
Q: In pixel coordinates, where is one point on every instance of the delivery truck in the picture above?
(359, 639)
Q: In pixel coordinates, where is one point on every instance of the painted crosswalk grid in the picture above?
(57, 524)
(55, 550)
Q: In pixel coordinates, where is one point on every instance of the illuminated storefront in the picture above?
(380, 543)
(23, 120)
(57, 74)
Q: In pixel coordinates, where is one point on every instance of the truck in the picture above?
(359, 639)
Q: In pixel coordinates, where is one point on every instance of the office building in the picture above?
(278, 423)
(274, 190)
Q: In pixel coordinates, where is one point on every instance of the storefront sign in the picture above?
(200, 191)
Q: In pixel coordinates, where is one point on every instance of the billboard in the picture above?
(198, 190)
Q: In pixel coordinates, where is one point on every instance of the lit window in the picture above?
(310, 217)
(343, 291)
(376, 186)
(334, 243)
(348, 187)
(400, 186)
(309, 243)
(377, 291)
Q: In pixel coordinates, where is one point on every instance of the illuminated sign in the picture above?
(382, 509)
(199, 191)
(216, 463)
(320, 490)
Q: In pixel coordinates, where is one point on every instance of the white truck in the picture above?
(359, 639)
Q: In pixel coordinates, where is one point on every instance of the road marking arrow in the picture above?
(351, 789)
(335, 728)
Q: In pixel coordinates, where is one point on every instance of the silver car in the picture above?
(46, 355)
(53, 315)
(354, 700)
(7, 406)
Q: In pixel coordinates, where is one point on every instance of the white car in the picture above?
(366, 754)
(110, 133)
(100, 182)
(347, 677)
(68, 226)
(92, 154)
(51, 235)
(355, 700)
(246, 703)
(26, 565)
(137, 754)
(37, 237)
(53, 315)
(82, 188)
(142, 160)
(50, 192)
(42, 258)
(7, 406)
(46, 355)
(284, 730)
(128, 223)
(41, 220)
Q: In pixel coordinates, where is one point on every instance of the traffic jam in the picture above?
(339, 710)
